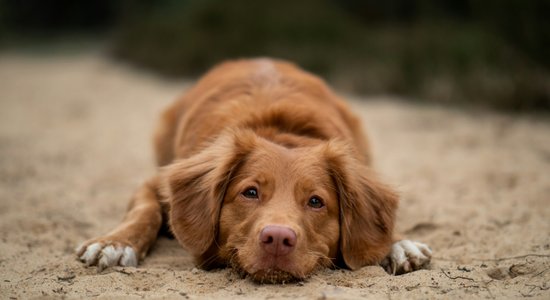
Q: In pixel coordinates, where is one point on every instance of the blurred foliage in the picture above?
(186, 37)
(489, 53)
(36, 16)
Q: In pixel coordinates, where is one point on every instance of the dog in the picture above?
(263, 168)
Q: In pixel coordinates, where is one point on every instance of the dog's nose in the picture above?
(277, 240)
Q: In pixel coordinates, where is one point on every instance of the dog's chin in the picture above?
(267, 276)
(273, 276)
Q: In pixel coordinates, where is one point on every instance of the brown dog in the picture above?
(265, 169)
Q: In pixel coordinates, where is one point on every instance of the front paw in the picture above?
(105, 252)
(407, 256)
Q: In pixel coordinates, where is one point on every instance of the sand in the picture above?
(75, 142)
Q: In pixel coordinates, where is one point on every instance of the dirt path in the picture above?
(74, 143)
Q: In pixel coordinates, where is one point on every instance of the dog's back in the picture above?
(261, 94)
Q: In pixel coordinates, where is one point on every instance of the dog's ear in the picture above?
(367, 208)
(195, 188)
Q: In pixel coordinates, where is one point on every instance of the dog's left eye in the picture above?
(315, 202)
(251, 193)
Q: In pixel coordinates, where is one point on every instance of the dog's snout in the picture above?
(277, 240)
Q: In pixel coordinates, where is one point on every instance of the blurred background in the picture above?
(490, 53)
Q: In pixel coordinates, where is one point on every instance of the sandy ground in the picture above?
(75, 142)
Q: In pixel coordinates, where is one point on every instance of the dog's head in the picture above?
(275, 212)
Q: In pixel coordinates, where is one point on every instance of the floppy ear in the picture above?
(195, 188)
(367, 208)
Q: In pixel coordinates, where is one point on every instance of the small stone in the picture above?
(521, 269)
(464, 269)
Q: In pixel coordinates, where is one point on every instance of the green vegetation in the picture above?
(484, 53)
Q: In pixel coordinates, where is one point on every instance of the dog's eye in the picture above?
(315, 202)
(251, 193)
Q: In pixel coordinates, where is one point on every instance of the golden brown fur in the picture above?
(268, 126)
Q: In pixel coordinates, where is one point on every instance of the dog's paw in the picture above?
(407, 256)
(107, 254)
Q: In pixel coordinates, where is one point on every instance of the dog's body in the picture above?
(267, 170)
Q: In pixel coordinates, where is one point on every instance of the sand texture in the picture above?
(75, 135)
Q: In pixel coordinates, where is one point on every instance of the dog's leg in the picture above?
(130, 240)
(406, 256)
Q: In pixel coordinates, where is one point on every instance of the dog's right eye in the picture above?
(251, 193)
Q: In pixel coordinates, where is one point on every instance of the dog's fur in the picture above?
(271, 127)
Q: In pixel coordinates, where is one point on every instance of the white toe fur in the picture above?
(407, 256)
(128, 258)
(89, 257)
(107, 255)
(424, 249)
(397, 257)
